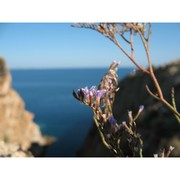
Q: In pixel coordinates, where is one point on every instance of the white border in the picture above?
(89, 168)
(89, 11)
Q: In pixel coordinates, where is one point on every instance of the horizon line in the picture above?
(54, 68)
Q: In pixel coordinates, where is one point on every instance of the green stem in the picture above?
(177, 115)
(140, 151)
(101, 134)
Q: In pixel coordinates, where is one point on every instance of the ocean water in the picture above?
(48, 94)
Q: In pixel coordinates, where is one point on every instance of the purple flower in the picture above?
(112, 120)
(90, 91)
(85, 91)
(141, 108)
(91, 95)
(99, 93)
(88, 94)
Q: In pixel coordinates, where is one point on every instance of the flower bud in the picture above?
(141, 108)
(171, 148)
(155, 155)
(112, 120)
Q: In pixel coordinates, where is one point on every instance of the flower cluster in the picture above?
(133, 137)
(90, 97)
(100, 100)
(111, 29)
(110, 83)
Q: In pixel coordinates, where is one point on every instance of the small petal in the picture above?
(155, 155)
(171, 148)
(75, 95)
(112, 120)
(138, 135)
(85, 91)
(129, 113)
(124, 123)
(130, 116)
(118, 63)
(93, 88)
(104, 116)
(141, 108)
(99, 93)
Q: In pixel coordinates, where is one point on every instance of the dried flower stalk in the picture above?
(101, 101)
(112, 30)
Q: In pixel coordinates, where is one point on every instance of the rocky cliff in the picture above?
(13, 150)
(157, 125)
(16, 123)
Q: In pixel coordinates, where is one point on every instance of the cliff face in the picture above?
(12, 150)
(157, 125)
(16, 124)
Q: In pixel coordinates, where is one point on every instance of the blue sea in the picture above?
(48, 94)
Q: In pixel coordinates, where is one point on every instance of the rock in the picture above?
(16, 123)
(5, 78)
(12, 150)
(157, 125)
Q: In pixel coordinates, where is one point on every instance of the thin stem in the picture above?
(136, 64)
(161, 98)
(174, 104)
(152, 94)
(173, 98)
(125, 39)
(101, 134)
(103, 139)
(157, 86)
(165, 102)
(151, 67)
(116, 42)
(149, 34)
(140, 151)
(131, 44)
(171, 108)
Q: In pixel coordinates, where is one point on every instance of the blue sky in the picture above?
(58, 45)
